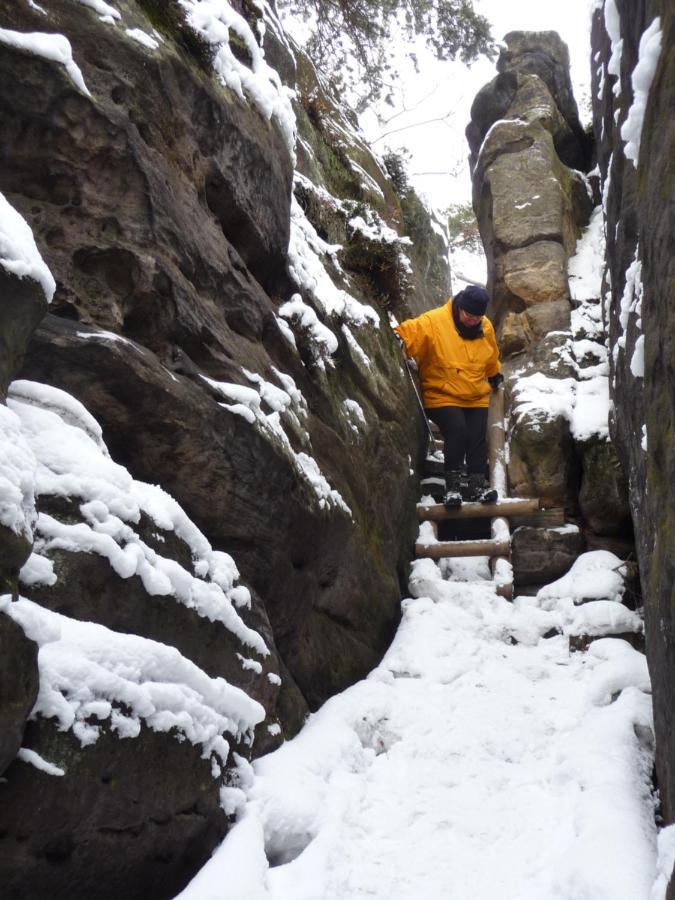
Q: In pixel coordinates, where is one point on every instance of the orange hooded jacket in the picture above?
(452, 369)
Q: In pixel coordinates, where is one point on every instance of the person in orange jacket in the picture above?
(456, 352)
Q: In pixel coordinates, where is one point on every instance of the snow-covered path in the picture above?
(479, 760)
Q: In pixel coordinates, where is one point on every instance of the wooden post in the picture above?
(500, 564)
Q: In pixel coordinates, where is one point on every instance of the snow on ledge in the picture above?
(88, 672)
(246, 402)
(54, 47)
(17, 476)
(595, 575)
(641, 79)
(324, 341)
(55, 449)
(585, 404)
(104, 10)
(214, 20)
(34, 759)
(141, 37)
(305, 252)
(18, 251)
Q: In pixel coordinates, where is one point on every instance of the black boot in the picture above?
(479, 489)
(453, 489)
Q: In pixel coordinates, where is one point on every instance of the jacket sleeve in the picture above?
(414, 335)
(493, 365)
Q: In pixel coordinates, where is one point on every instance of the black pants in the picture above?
(464, 435)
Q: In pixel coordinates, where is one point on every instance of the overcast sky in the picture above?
(449, 89)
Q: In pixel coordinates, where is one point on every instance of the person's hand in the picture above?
(495, 380)
(411, 364)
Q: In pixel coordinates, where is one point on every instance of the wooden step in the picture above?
(444, 549)
(503, 508)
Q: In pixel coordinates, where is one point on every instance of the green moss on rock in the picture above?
(169, 18)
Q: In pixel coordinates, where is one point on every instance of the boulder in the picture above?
(541, 555)
(15, 548)
(603, 496)
(23, 305)
(536, 273)
(544, 318)
(529, 209)
(242, 491)
(133, 818)
(87, 588)
(531, 203)
(515, 335)
(18, 686)
(542, 462)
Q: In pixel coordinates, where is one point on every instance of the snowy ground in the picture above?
(479, 760)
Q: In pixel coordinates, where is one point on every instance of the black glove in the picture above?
(495, 380)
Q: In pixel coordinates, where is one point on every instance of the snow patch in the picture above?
(665, 863)
(104, 10)
(585, 268)
(596, 575)
(34, 759)
(641, 79)
(613, 28)
(141, 37)
(637, 363)
(323, 341)
(17, 476)
(305, 252)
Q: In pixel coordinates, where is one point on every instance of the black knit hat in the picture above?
(473, 299)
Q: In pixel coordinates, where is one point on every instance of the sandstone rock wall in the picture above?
(224, 316)
(531, 201)
(633, 71)
(533, 195)
(556, 329)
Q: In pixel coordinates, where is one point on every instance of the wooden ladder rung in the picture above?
(444, 549)
(503, 508)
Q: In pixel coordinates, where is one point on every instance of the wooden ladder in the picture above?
(498, 546)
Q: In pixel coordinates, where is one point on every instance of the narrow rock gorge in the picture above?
(211, 444)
